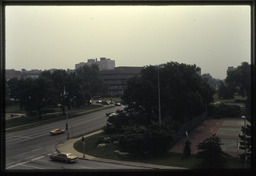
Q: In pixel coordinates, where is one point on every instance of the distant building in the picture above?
(79, 65)
(11, 73)
(117, 78)
(104, 63)
(231, 69)
(31, 73)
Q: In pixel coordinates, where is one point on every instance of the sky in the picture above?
(45, 37)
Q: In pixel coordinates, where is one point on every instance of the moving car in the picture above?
(108, 113)
(65, 157)
(118, 104)
(57, 131)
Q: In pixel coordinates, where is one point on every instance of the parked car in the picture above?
(64, 157)
(57, 131)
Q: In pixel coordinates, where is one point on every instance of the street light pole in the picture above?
(159, 105)
(245, 157)
(67, 126)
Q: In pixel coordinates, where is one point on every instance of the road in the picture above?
(30, 148)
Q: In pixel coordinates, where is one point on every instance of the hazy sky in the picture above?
(212, 37)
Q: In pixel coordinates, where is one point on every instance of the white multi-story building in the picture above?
(104, 63)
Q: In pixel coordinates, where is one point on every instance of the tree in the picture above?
(32, 93)
(11, 88)
(210, 80)
(225, 91)
(184, 93)
(240, 80)
(211, 153)
(89, 81)
(57, 82)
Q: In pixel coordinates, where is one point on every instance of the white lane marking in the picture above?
(37, 158)
(32, 166)
(19, 164)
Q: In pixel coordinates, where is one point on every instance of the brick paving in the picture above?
(226, 129)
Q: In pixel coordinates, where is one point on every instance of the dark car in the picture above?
(65, 157)
(118, 104)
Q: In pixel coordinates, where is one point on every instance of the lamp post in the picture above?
(245, 157)
(67, 126)
(159, 105)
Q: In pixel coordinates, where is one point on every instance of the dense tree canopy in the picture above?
(56, 88)
(240, 78)
(225, 91)
(239, 81)
(183, 93)
(89, 81)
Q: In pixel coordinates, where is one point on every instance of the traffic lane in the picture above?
(32, 143)
(41, 134)
(24, 144)
(87, 126)
(45, 163)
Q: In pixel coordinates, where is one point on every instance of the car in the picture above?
(64, 157)
(113, 114)
(108, 113)
(57, 131)
(117, 104)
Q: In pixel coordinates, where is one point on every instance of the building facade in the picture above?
(104, 63)
(116, 79)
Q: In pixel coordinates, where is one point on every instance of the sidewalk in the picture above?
(67, 146)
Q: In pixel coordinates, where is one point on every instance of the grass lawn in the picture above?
(236, 97)
(169, 159)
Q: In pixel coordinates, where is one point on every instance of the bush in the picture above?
(211, 153)
(141, 140)
(224, 110)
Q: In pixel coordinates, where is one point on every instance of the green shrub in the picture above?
(224, 110)
(211, 153)
(141, 140)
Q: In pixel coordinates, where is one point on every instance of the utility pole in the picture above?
(159, 104)
(83, 147)
(67, 126)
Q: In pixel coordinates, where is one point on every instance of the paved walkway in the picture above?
(67, 146)
(227, 129)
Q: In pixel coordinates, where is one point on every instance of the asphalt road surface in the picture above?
(30, 148)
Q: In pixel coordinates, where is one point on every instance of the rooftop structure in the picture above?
(104, 63)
